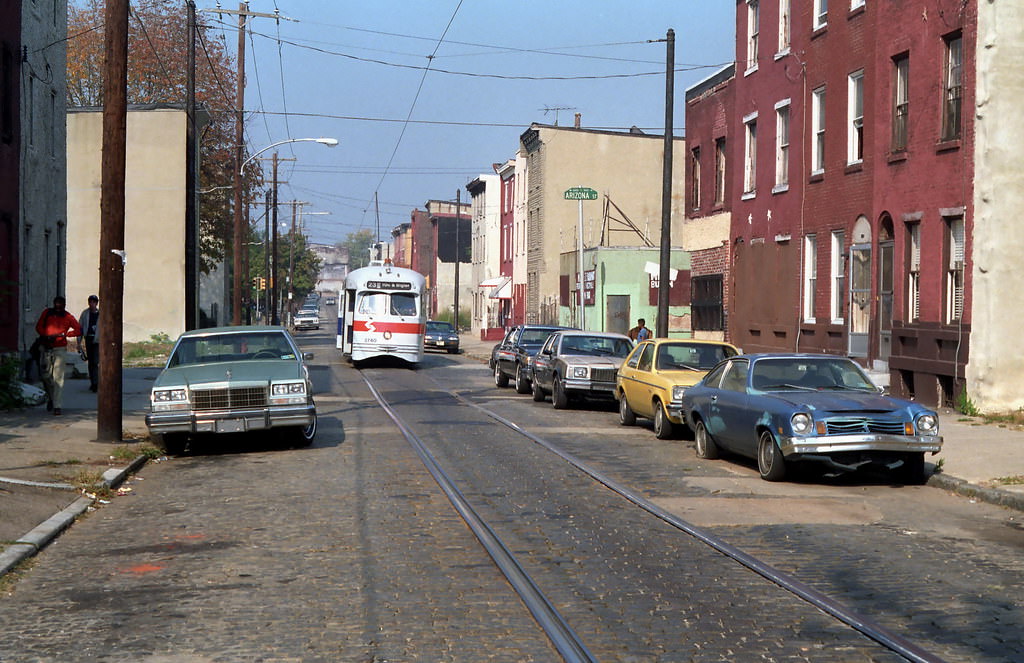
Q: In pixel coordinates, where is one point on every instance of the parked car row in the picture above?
(781, 410)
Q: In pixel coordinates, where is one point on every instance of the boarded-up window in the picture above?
(707, 307)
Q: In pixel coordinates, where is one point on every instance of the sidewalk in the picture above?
(974, 457)
(40, 454)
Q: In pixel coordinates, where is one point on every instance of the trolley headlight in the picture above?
(581, 372)
(166, 400)
(801, 423)
(928, 424)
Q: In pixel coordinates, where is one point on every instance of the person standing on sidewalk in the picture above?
(54, 327)
(89, 321)
(640, 332)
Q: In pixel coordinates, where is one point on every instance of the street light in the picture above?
(239, 235)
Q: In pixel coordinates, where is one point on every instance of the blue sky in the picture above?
(355, 71)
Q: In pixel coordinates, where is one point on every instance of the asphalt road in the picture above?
(348, 551)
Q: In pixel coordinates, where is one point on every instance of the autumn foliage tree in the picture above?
(157, 69)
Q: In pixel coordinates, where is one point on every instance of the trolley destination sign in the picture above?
(388, 285)
(580, 193)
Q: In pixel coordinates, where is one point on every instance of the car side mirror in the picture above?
(307, 356)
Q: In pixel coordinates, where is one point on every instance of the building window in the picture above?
(753, 21)
(955, 271)
(695, 178)
(914, 272)
(810, 275)
(855, 137)
(952, 88)
(750, 154)
(784, 26)
(856, 4)
(6, 94)
(818, 126)
(838, 276)
(900, 102)
(706, 303)
(719, 171)
(820, 13)
(782, 144)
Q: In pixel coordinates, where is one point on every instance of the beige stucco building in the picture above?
(995, 369)
(154, 275)
(625, 168)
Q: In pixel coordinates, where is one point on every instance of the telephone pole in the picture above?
(112, 199)
(661, 328)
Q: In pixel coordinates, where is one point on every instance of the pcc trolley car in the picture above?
(380, 314)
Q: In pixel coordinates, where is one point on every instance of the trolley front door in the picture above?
(860, 300)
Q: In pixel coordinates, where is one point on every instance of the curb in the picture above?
(1005, 498)
(41, 536)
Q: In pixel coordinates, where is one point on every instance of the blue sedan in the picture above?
(782, 409)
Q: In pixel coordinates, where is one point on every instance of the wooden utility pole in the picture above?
(191, 222)
(458, 258)
(661, 328)
(274, 319)
(112, 256)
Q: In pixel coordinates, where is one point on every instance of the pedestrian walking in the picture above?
(89, 321)
(640, 332)
(54, 327)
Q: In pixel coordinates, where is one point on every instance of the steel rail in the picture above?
(558, 631)
(823, 602)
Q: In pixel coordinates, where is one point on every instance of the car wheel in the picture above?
(626, 415)
(538, 393)
(912, 470)
(500, 379)
(770, 462)
(173, 443)
(303, 436)
(706, 447)
(662, 426)
(522, 384)
(559, 398)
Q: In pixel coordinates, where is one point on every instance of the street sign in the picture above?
(580, 193)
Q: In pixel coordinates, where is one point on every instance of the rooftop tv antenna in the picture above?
(555, 109)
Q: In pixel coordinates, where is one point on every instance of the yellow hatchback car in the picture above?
(652, 380)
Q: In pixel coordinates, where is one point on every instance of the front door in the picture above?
(617, 313)
(860, 299)
(885, 279)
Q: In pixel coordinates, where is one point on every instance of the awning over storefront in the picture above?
(503, 291)
(495, 282)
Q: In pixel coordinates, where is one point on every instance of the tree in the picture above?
(157, 58)
(358, 245)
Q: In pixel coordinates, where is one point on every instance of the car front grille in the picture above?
(603, 374)
(852, 425)
(226, 399)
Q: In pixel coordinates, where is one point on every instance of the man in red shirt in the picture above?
(55, 326)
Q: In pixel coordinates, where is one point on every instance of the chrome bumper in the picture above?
(590, 387)
(861, 442)
(231, 421)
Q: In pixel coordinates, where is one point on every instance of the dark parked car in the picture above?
(232, 380)
(441, 336)
(578, 364)
(784, 409)
(512, 360)
(501, 347)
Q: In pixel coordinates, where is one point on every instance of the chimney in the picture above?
(577, 122)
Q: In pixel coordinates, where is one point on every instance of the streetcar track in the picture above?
(872, 630)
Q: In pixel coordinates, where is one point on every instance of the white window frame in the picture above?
(914, 273)
(720, 170)
(838, 280)
(955, 269)
(753, 34)
(900, 104)
(750, 156)
(855, 121)
(695, 171)
(785, 27)
(952, 88)
(820, 19)
(810, 276)
(818, 131)
(782, 125)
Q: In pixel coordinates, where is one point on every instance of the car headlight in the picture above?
(801, 423)
(580, 371)
(284, 393)
(678, 391)
(165, 400)
(928, 424)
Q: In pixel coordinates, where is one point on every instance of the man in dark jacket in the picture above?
(54, 327)
(89, 321)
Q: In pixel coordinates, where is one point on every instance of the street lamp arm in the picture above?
(329, 142)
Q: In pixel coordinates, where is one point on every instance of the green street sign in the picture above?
(580, 193)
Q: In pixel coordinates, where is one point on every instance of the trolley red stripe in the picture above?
(381, 326)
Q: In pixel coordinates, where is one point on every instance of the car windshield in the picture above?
(691, 356)
(534, 336)
(596, 346)
(213, 348)
(439, 327)
(809, 374)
